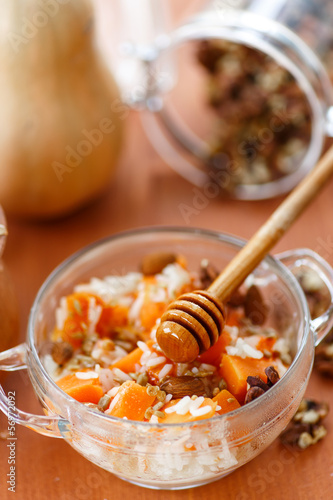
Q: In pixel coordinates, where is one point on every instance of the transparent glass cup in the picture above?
(156, 79)
(173, 456)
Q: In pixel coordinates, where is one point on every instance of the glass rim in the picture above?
(272, 39)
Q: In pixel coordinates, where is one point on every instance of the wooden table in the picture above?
(147, 192)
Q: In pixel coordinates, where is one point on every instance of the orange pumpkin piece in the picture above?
(76, 324)
(85, 391)
(234, 317)
(214, 354)
(266, 344)
(150, 310)
(132, 401)
(227, 401)
(112, 317)
(235, 371)
(175, 418)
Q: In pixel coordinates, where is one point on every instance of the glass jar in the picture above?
(254, 119)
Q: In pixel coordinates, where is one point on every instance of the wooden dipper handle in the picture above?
(188, 327)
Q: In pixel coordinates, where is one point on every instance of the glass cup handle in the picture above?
(13, 360)
(294, 259)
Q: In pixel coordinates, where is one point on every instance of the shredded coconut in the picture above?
(153, 419)
(155, 361)
(243, 350)
(120, 374)
(201, 411)
(94, 313)
(196, 404)
(106, 379)
(111, 288)
(134, 312)
(158, 294)
(141, 345)
(188, 405)
(233, 332)
(61, 313)
(165, 371)
(173, 278)
(107, 357)
(113, 403)
(168, 398)
(112, 392)
(207, 368)
(86, 375)
(181, 369)
(281, 346)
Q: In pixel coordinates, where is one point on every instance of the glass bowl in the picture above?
(172, 456)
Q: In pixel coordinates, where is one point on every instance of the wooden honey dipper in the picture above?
(193, 322)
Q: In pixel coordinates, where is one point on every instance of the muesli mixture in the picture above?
(104, 352)
(262, 124)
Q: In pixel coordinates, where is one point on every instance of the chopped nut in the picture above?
(215, 392)
(310, 417)
(183, 386)
(152, 390)
(315, 289)
(142, 379)
(208, 273)
(148, 413)
(324, 357)
(257, 387)
(159, 414)
(253, 393)
(161, 395)
(308, 409)
(104, 402)
(92, 406)
(286, 358)
(254, 306)
(304, 440)
(107, 345)
(236, 299)
(222, 384)
(154, 263)
(61, 352)
(319, 433)
(89, 343)
(257, 382)
(245, 86)
(158, 406)
(272, 375)
(306, 428)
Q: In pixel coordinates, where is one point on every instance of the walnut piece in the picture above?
(306, 428)
(154, 263)
(183, 386)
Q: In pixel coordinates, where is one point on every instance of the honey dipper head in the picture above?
(190, 326)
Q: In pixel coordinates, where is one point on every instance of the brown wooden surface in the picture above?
(146, 192)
